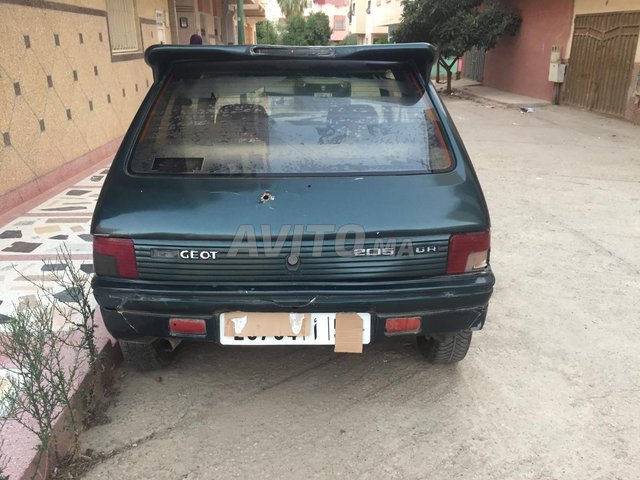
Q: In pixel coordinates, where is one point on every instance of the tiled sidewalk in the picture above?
(35, 236)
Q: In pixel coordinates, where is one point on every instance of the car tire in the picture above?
(445, 348)
(145, 357)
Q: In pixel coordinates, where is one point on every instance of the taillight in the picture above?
(114, 257)
(468, 252)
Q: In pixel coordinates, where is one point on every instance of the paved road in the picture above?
(550, 388)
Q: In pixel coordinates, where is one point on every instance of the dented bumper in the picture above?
(138, 309)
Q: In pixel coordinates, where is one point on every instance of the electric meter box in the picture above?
(557, 72)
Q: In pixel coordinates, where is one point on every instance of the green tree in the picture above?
(351, 39)
(292, 7)
(318, 30)
(294, 31)
(266, 33)
(455, 26)
(313, 30)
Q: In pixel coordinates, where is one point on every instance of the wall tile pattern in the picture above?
(40, 55)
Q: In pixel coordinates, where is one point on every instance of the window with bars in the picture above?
(339, 22)
(123, 27)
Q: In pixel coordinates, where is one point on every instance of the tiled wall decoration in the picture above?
(57, 79)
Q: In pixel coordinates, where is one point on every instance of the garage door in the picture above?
(602, 56)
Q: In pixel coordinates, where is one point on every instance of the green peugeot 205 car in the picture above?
(268, 195)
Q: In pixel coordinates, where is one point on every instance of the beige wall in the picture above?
(147, 9)
(100, 111)
(386, 12)
(363, 23)
(599, 6)
(358, 24)
(187, 9)
(99, 4)
(584, 7)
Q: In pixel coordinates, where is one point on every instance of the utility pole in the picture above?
(240, 22)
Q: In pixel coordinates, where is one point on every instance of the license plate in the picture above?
(322, 331)
(323, 94)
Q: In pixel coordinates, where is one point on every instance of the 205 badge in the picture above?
(392, 251)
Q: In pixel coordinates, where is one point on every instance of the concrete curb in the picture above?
(485, 95)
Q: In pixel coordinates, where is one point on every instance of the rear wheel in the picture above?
(145, 356)
(445, 348)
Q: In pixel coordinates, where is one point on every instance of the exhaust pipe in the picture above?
(170, 344)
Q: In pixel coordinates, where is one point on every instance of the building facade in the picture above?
(385, 17)
(374, 20)
(72, 75)
(604, 62)
(598, 41)
(338, 13)
(520, 63)
(216, 21)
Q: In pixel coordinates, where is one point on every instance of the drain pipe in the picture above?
(240, 22)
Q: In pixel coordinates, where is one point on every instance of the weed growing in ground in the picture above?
(46, 373)
(46, 342)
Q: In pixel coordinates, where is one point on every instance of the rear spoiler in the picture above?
(161, 58)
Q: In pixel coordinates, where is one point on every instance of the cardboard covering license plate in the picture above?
(347, 331)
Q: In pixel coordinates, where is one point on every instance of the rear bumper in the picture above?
(140, 310)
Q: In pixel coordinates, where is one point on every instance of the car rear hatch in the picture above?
(299, 178)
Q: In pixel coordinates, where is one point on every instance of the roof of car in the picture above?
(162, 57)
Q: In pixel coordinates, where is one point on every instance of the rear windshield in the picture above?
(292, 119)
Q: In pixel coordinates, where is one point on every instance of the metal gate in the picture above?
(601, 63)
(474, 64)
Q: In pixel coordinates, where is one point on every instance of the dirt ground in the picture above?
(549, 390)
